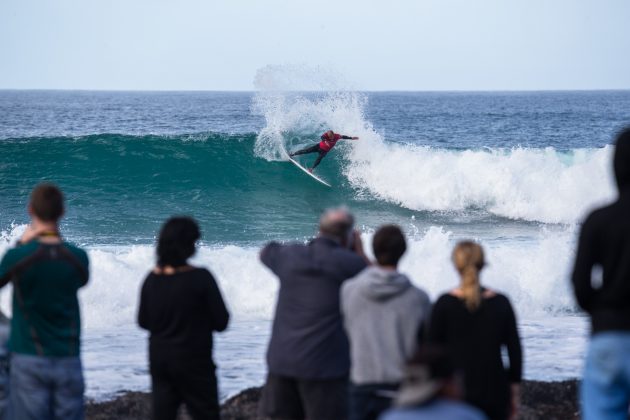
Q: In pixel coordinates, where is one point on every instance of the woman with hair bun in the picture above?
(474, 323)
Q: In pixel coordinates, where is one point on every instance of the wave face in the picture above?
(129, 184)
(126, 185)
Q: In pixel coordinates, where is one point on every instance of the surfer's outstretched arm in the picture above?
(349, 138)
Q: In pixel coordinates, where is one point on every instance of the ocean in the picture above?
(517, 171)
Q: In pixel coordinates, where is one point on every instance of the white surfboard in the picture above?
(308, 173)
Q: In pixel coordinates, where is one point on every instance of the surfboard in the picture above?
(315, 177)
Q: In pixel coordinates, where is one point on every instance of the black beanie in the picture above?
(621, 161)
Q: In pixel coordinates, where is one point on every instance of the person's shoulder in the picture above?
(497, 298)
(13, 254)
(446, 299)
(418, 292)
(199, 279)
(202, 274)
(349, 255)
(446, 303)
(284, 247)
(78, 252)
(20, 251)
(600, 216)
(346, 256)
(9, 258)
(421, 298)
(352, 283)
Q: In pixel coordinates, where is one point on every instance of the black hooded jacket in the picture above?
(604, 247)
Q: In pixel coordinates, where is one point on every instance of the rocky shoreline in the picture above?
(539, 400)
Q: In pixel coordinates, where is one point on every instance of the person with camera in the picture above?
(308, 355)
(46, 272)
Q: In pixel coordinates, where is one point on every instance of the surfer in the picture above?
(328, 141)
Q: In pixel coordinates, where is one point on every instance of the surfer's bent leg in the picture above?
(319, 159)
(311, 149)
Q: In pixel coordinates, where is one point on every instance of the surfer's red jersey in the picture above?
(328, 142)
(329, 139)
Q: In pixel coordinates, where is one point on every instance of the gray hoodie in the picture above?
(382, 314)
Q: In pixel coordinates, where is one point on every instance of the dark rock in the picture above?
(539, 401)
(549, 400)
(242, 406)
(126, 406)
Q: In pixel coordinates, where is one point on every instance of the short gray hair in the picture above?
(336, 222)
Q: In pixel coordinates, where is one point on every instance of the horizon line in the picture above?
(311, 90)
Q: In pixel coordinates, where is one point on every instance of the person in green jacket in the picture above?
(46, 376)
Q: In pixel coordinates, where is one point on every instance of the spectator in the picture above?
(431, 391)
(473, 324)
(308, 358)
(181, 306)
(46, 377)
(4, 365)
(601, 279)
(382, 314)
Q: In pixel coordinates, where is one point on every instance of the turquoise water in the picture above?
(516, 171)
(120, 187)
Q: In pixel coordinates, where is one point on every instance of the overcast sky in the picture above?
(374, 45)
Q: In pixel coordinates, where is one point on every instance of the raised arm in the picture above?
(349, 138)
(269, 255)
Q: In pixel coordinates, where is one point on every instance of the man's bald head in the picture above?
(336, 223)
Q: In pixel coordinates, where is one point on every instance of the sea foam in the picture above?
(533, 184)
(533, 273)
(542, 185)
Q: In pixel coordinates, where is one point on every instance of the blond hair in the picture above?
(468, 259)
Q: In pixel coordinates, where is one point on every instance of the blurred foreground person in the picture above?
(4, 365)
(46, 376)
(181, 306)
(601, 279)
(382, 314)
(431, 390)
(473, 324)
(308, 358)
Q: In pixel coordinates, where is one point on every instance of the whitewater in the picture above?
(515, 171)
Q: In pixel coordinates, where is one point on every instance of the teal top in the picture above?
(46, 319)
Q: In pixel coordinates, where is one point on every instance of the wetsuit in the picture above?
(323, 147)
